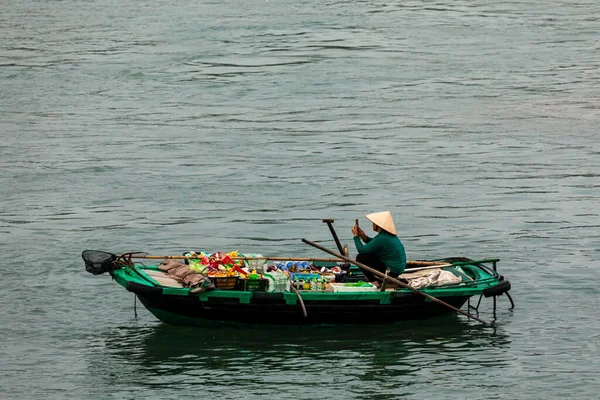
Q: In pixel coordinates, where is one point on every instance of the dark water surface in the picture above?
(168, 126)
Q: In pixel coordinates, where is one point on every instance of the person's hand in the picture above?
(362, 234)
(358, 232)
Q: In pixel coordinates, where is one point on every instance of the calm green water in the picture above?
(168, 126)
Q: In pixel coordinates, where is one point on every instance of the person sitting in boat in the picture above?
(384, 251)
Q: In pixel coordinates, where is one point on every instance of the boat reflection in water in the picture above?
(330, 360)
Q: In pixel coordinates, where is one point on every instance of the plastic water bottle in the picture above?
(304, 265)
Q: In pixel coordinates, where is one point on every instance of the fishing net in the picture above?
(98, 262)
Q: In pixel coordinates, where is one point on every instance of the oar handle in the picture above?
(487, 260)
(329, 223)
(396, 281)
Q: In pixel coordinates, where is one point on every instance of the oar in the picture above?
(329, 223)
(409, 270)
(243, 258)
(396, 281)
(314, 259)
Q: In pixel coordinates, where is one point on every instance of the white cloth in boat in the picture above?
(431, 278)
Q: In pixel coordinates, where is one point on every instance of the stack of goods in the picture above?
(310, 282)
(278, 281)
(225, 272)
(255, 262)
(304, 276)
(294, 266)
(220, 268)
(251, 272)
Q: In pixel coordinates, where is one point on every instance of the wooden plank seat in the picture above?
(163, 279)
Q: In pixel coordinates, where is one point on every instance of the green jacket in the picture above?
(387, 247)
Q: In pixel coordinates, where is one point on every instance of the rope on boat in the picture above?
(301, 301)
(385, 277)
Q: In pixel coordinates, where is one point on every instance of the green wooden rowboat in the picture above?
(178, 305)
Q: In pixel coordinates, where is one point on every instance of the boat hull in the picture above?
(280, 308)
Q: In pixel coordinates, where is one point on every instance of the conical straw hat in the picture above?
(383, 220)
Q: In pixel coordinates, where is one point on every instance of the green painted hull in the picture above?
(178, 306)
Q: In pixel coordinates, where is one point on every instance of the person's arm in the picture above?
(371, 246)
